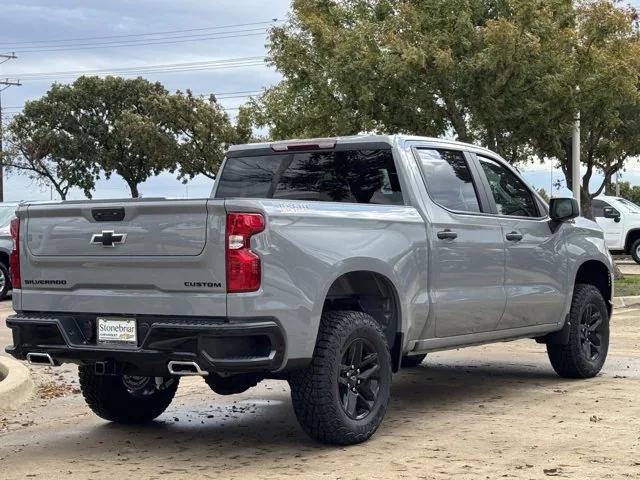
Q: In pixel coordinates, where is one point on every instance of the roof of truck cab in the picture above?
(363, 139)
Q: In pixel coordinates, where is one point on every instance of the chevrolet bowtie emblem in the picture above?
(108, 238)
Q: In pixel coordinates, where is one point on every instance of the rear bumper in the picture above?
(215, 344)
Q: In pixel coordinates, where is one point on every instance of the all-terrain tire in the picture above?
(635, 251)
(586, 352)
(318, 393)
(412, 361)
(108, 397)
(5, 285)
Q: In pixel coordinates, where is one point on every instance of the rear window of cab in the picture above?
(351, 176)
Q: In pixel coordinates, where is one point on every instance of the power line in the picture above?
(235, 96)
(218, 95)
(166, 32)
(138, 68)
(146, 43)
(135, 73)
(155, 71)
(197, 36)
(6, 57)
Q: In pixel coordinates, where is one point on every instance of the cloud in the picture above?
(31, 20)
(36, 20)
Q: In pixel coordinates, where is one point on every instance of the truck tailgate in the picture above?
(162, 257)
(168, 228)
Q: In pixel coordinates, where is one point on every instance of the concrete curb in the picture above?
(624, 302)
(16, 385)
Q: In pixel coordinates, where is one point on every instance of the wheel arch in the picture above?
(592, 272)
(371, 290)
(632, 236)
(4, 258)
(596, 273)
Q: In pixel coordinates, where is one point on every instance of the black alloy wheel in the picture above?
(591, 332)
(359, 379)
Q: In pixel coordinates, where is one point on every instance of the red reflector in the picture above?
(243, 265)
(14, 257)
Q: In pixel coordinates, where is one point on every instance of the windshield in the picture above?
(7, 212)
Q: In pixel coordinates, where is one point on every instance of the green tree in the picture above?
(100, 125)
(111, 116)
(628, 191)
(202, 130)
(502, 73)
(45, 155)
(606, 71)
(430, 67)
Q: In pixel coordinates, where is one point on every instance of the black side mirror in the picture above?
(563, 209)
(610, 212)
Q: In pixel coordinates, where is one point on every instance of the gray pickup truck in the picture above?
(329, 263)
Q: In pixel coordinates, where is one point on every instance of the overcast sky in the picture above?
(54, 36)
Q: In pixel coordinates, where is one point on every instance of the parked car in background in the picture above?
(7, 212)
(620, 220)
(329, 263)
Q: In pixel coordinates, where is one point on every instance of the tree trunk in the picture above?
(133, 186)
(61, 191)
(585, 204)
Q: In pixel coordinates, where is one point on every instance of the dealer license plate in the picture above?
(117, 330)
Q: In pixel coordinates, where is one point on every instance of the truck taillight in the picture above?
(243, 265)
(14, 258)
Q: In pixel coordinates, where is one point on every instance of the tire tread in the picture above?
(567, 359)
(108, 398)
(312, 391)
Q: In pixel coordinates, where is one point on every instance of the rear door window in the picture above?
(354, 176)
(449, 180)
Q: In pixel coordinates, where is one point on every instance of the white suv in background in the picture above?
(620, 220)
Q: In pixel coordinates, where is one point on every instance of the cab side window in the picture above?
(511, 195)
(449, 180)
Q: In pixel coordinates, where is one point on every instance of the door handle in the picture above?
(514, 236)
(447, 234)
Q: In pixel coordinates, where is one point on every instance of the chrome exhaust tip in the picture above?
(40, 359)
(184, 369)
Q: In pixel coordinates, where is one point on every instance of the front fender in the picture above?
(585, 242)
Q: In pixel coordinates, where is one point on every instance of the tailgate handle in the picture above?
(108, 214)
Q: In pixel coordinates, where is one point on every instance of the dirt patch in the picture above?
(50, 390)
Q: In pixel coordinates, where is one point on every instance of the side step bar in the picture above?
(40, 359)
(184, 369)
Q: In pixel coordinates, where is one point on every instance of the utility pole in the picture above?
(617, 184)
(575, 157)
(4, 84)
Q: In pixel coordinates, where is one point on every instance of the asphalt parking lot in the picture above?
(482, 412)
